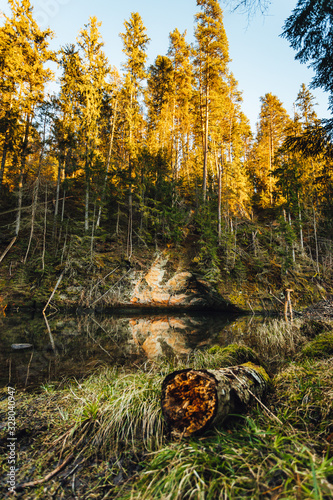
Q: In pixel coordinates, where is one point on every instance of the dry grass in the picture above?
(276, 341)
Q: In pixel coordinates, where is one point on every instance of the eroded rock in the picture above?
(162, 287)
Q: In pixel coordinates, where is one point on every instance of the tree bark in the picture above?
(114, 118)
(24, 154)
(193, 400)
(56, 208)
(206, 134)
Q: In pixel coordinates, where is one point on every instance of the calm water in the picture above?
(74, 346)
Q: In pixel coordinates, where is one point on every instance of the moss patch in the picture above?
(321, 347)
(235, 353)
(259, 369)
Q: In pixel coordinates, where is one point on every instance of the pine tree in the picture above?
(135, 42)
(24, 53)
(66, 121)
(180, 53)
(272, 130)
(309, 31)
(160, 103)
(211, 60)
(94, 69)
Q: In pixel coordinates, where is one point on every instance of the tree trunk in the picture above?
(3, 159)
(129, 248)
(206, 132)
(56, 208)
(5, 143)
(300, 227)
(316, 238)
(107, 164)
(35, 195)
(24, 154)
(219, 205)
(193, 400)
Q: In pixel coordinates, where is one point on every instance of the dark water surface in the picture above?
(74, 345)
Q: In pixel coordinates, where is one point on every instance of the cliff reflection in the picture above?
(79, 343)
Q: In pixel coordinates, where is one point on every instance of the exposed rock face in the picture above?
(160, 287)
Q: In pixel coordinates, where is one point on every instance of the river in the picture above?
(33, 353)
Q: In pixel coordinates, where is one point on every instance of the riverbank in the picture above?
(164, 279)
(104, 436)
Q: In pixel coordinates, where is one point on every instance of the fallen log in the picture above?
(192, 400)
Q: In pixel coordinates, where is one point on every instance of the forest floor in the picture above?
(104, 436)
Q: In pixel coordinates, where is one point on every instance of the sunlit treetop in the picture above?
(309, 29)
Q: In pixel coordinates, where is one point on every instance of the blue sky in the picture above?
(262, 61)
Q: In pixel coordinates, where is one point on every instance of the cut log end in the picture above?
(192, 399)
(189, 401)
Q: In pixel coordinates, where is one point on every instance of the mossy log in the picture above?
(193, 400)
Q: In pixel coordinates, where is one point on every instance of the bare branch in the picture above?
(250, 7)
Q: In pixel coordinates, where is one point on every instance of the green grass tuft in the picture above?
(251, 460)
(219, 357)
(320, 347)
(125, 409)
(304, 392)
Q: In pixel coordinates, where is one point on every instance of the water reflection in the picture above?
(79, 343)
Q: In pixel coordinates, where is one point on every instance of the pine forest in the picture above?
(158, 156)
(166, 271)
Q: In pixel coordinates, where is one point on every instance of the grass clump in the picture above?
(320, 347)
(277, 342)
(313, 327)
(304, 394)
(124, 409)
(219, 357)
(249, 460)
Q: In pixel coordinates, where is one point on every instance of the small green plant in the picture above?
(48, 388)
(90, 411)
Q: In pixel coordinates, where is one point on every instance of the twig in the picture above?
(66, 477)
(104, 277)
(251, 307)
(276, 298)
(99, 345)
(52, 473)
(46, 478)
(28, 369)
(100, 326)
(8, 248)
(50, 334)
(54, 290)
(99, 298)
(257, 399)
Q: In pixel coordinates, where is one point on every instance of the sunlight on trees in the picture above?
(159, 155)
